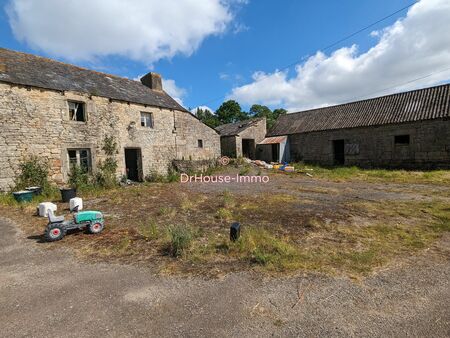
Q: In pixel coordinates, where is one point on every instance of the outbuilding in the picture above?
(239, 139)
(404, 130)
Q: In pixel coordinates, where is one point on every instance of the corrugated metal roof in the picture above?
(423, 104)
(232, 129)
(274, 140)
(31, 70)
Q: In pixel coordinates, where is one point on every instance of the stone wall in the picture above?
(429, 145)
(232, 145)
(36, 122)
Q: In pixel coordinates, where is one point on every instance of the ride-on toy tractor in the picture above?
(57, 227)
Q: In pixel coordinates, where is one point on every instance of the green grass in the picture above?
(180, 239)
(149, 230)
(377, 175)
(350, 249)
(224, 214)
(228, 200)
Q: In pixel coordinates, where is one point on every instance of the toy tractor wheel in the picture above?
(95, 228)
(54, 232)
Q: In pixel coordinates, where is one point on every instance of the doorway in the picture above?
(248, 148)
(338, 151)
(275, 152)
(133, 164)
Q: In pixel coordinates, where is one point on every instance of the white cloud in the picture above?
(143, 30)
(194, 110)
(412, 47)
(171, 88)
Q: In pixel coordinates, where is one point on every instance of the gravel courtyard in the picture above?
(57, 289)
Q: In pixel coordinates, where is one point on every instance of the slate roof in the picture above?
(31, 70)
(423, 104)
(233, 129)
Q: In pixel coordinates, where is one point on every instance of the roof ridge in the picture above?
(369, 99)
(69, 64)
(42, 72)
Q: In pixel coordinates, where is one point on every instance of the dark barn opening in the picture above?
(133, 164)
(248, 148)
(338, 151)
(275, 152)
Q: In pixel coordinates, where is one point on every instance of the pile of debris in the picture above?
(278, 166)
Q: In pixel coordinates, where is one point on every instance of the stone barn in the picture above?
(63, 113)
(240, 139)
(405, 130)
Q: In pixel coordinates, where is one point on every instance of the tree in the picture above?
(230, 111)
(207, 117)
(278, 112)
(258, 110)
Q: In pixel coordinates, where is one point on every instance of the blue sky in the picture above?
(219, 59)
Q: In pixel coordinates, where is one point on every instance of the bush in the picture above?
(154, 177)
(106, 176)
(172, 176)
(78, 177)
(33, 172)
(180, 239)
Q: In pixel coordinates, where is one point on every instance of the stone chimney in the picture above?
(152, 81)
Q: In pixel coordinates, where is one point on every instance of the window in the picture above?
(80, 158)
(76, 111)
(401, 139)
(147, 120)
(200, 143)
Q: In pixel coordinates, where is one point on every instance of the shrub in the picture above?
(33, 172)
(180, 239)
(78, 177)
(106, 176)
(154, 177)
(172, 175)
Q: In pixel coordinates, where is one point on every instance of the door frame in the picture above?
(138, 162)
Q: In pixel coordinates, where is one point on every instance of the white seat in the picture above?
(54, 219)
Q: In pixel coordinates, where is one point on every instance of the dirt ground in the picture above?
(350, 228)
(50, 293)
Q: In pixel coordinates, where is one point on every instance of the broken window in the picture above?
(146, 120)
(401, 139)
(76, 111)
(200, 143)
(80, 158)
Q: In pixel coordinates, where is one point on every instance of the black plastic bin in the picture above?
(235, 231)
(35, 190)
(68, 193)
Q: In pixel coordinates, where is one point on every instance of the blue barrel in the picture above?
(23, 196)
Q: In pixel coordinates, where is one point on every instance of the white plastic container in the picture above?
(76, 202)
(44, 207)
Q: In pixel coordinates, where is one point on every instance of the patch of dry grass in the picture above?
(280, 232)
(377, 175)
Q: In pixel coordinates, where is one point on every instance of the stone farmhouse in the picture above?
(405, 130)
(63, 113)
(241, 138)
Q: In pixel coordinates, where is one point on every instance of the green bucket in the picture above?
(23, 196)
